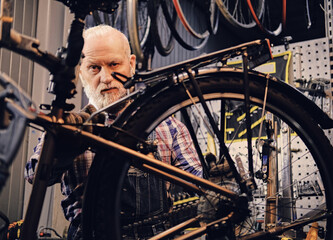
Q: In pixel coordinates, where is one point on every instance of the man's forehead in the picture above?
(102, 46)
(102, 57)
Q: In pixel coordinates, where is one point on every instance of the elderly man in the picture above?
(107, 50)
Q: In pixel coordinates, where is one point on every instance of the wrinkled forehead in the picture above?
(111, 42)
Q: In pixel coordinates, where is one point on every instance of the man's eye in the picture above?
(114, 64)
(95, 68)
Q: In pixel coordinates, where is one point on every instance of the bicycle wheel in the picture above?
(183, 37)
(163, 38)
(311, 151)
(138, 26)
(117, 19)
(273, 18)
(238, 15)
(213, 18)
(186, 10)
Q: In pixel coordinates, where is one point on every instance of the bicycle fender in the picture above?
(307, 105)
(324, 120)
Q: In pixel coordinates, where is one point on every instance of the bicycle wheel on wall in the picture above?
(183, 37)
(273, 18)
(163, 38)
(311, 186)
(195, 16)
(237, 14)
(199, 18)
(117, 19)
(138, 26)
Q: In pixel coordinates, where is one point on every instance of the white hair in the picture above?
(102, 30)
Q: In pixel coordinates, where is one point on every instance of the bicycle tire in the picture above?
(117, 19)
(186, 41)
(186, 10)
(227, 84)
(138, 26)
(214, 18)
(238, 15)
(162, 36)
(268, 22)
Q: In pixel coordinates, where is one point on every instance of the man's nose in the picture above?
(106, 76)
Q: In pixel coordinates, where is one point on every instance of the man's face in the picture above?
(102, 56)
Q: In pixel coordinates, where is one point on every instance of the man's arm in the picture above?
(31, 166)
(67, 150)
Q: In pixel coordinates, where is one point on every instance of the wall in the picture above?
(21, 70)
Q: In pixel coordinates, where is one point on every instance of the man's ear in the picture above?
(77, 73)
(132, 63)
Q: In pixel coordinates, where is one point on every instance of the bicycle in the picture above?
(218, 89)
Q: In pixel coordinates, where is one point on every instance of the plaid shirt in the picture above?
(174, 146)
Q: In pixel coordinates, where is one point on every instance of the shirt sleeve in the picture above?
(63, 163)
(176, 146)
(30, 167)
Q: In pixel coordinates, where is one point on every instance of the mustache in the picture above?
(113, 84)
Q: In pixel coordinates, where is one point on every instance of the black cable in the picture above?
(51, 229)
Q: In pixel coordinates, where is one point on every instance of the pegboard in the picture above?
(310, 58)
(311, 64)
(328, 18)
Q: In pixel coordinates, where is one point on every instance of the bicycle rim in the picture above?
(138, 26)
(238, 15)
(163, 38)
(117, 19)
(311, 189)
(214, 18)
(183, 37)
(197, 26)
(272, 19)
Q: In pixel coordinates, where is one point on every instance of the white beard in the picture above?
(102, 100)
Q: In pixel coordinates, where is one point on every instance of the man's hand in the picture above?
(67, 147)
